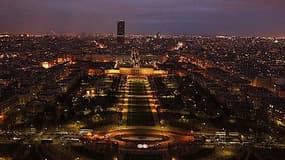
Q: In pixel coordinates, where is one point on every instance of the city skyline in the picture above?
(263, 18)
(141, 97)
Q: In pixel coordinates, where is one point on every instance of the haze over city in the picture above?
(196, 17)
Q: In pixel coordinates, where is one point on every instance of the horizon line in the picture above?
(145, 34)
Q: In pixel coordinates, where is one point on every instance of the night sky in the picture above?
(235, 17)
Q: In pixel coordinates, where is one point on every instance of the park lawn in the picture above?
(139, 111)
(140, 119)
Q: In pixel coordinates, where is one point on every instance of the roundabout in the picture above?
(146, 139)
(138, 135)
(141, 138)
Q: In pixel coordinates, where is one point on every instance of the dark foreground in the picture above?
(111, 152)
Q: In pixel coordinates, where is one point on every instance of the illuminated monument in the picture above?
(136, 69)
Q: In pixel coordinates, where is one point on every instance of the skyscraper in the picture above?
(121, 32)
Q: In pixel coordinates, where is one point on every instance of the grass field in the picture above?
(137, 88)
(139, 111)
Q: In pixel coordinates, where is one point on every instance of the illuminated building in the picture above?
(136, 71)
(121, 32)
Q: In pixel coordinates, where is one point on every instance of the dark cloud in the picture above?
(144, 16)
